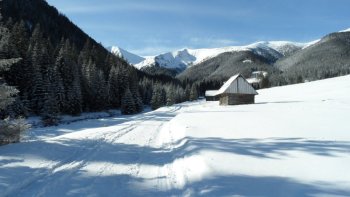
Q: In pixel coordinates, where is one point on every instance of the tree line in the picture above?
(40, 76)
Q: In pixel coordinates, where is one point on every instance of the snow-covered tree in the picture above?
(9, 130)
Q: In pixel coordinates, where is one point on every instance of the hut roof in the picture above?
(210, 93)
(237, 85)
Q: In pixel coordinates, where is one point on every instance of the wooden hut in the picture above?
(236, 91)
(211, 95)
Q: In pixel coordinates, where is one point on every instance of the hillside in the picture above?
(226, 65)
(328, 57)
(287, 63)
(64, 71)
(293, 142)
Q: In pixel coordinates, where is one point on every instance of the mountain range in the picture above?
(185, 58)
(322, 58)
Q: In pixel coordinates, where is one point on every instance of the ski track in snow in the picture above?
(296, 145)
(36, 184)
(77, 160)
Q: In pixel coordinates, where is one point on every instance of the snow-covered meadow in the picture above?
(295, 141)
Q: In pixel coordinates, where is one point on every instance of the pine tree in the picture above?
(49, 112)
(20, 73)
(113, 88)
(88, 68)
(134, 89)
(146, 89)
(193, 93)
(37, 53)
(158, 97)
(127, 103)
(100, 87)
(170, 96)
(59, 90)
(155, 98)
(9, 130)
(6, 92)
(19, 38)
(187, 92)
(68, 80)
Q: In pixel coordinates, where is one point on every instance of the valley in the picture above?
(294, 141)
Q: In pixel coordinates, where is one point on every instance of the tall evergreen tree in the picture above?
(170, 100)
(68, 77)
(193, 93)
(9, 130)
(134, 89)
(19, 38)
(113, 88)
(36, 51)
(158, 97)
(128, 104)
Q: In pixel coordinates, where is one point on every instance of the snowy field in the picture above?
(295, 141)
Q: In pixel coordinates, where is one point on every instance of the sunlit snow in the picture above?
(294, 141)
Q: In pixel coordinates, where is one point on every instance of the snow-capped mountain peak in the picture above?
(345, 30)
(130, 57)
(181, 59)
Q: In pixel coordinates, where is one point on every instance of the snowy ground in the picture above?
(294, 142)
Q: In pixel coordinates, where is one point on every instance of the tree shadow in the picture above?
(261, 147)
(264, 186)
(74, 182)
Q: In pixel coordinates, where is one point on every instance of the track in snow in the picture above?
(293, 142)
(104, 162)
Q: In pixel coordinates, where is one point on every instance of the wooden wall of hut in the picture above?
(212, 98)
(236, 99)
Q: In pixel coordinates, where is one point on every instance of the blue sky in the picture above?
(150, 27)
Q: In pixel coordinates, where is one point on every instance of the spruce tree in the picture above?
(134, 89)
(100, 90)
(36, 52)
(19, 38)
(170, 100)
(6, 92)
(113, 88)
(68, 80)
(9, 130)
(158, 97)
(127, 103)
(193, 93)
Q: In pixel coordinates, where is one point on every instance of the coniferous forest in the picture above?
(50, 67)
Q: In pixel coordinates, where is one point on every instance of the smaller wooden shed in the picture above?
(236, 91)
(211, 95)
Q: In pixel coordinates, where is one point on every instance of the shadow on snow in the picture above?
(82, 152)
